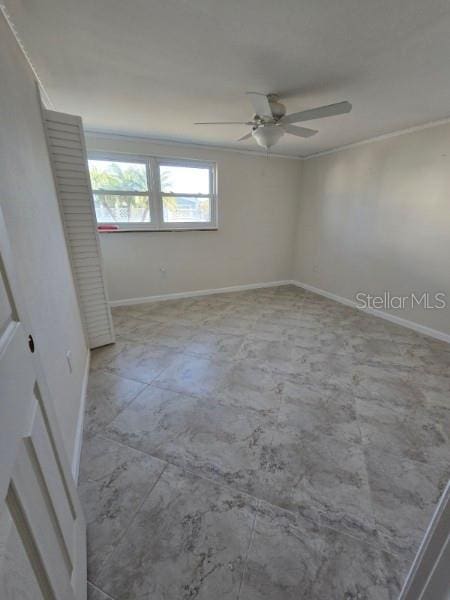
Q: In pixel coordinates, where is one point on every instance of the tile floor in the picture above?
(268, 444)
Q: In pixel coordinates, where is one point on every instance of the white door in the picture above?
(42, 529)
(429, 577)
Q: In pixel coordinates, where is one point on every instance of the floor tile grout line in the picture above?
(156, 383)
(108, 423)
(247, 553)
(164, 387)
(146, 383)
(366, 446)
(107, 371)
(366, 469)
(216, 357)
(228, 487)
(175, 351)
(100, 590)
(104, 437)
(130, 522)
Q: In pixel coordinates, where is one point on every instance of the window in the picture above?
(153, 194)
(121, 192)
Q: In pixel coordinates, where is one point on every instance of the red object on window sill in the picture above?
(107, 227)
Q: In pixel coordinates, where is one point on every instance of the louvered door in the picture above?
(67, 150)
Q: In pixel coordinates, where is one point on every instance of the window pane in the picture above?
(118, 176)
(181, 209)
(121, 209)
(184, 180)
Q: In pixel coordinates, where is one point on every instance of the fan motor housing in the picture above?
(278, 109)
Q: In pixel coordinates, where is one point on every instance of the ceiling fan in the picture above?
(271, 122)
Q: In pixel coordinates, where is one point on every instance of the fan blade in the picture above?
(260, 104)
(303, 132)
(331, 110)
(226, 123)
(245, 137)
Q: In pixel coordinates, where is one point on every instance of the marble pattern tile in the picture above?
(172, 335)
(268, 355)
(189, 540)
(140, 361)
(101, 357)
(431, 358)
(229, 323)
(326, 368)
(93, 593)
(318, 410)
(209, 438)
(414, 434)
(397, 567)
(193, 375)
(214, 345)
(320, 477)
(114, 480)
(251, 388)
(388, 388)
(314, 440)
(125, 324)
(404, 495)
(366, 349)
(107, 394)
(289, 561)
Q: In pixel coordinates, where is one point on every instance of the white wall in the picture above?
(30, 209)
(253, 244)
(376, 217)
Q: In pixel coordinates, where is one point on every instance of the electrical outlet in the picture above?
(69, 360)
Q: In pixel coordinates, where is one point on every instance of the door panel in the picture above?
(5, 308)
(64, 515)
(17, 578)
(17, 404)
(42, 528)
(31, 492)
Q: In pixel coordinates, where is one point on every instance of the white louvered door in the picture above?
(67, 150)
(42, 528)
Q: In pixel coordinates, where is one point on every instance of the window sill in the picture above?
(178, 230)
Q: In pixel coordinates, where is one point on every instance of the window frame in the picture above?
(155, 193)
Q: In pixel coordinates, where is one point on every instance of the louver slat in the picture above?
(65, 140)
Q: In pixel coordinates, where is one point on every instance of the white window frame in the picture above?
(155, 193)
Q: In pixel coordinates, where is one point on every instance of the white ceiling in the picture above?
(153, 67)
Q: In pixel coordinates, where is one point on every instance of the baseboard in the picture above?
(335, 297)
(174, 296)
(79, 432)
(434, 333)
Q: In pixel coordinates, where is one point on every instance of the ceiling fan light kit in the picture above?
(267, 135)
(270, 121)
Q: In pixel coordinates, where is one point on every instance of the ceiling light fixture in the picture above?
(267, 135)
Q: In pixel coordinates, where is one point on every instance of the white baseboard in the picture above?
(335, 297)
(79, 432)
(174, 296)
(434, 333)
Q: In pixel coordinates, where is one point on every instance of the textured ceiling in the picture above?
(153, 67)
